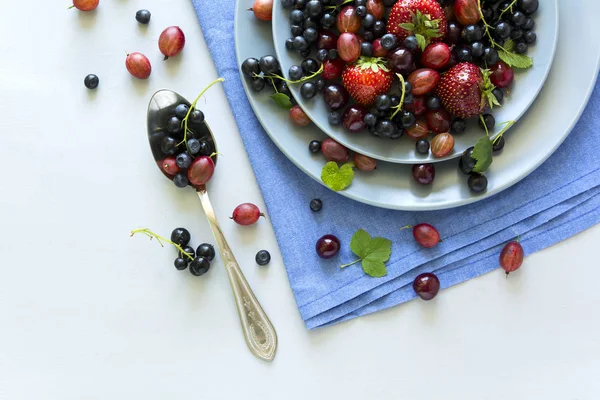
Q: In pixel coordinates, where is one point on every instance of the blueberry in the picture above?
(181, 263)
(308, 90)
(322, 55)
(289, 43)
(488, 122)
(206, 250)
(181, 111)
(181, 236)
(422, 146)
(193, 146)
(180, 180)
(518, 18)
(467, 162)
(361, 11)
(168, 145)
(327, 20)
(530, 37)
(199, 266)
(395, 100)
(268, 65)
(385, 128)
(91, 81)
(499, 95)
(310, 66)
(383, 102)
(296, 30)
(528, 6)
(370, 120)
(464, 55)
(316, 205)
(334, 118)
(314, 8)
(184, 160)
(263, 258)
(366, 49)
(389, 41)
(314, 146)
(458, 126)
(528, 25)
(477, 50)
(379, 28)
(477, 183)
(408, 119)
(521, 48)
(411, 42)
(502, 30)
(368, 21)
(490, 55)
(300, 43)
(197, 116)
(320, 83)
(287, 3)
(295, 72)
(472, 33)
(257, 85)
(250, 67)
(434, 103)
(174, 125)
(516, 34)
(296, 16)
(143, 16)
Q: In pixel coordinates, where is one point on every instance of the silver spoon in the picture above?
(258, 330)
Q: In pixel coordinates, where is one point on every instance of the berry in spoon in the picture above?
(201, 171)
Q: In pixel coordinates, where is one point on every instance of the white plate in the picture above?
(525, 89)
(536, 136)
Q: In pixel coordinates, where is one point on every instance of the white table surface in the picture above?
(88, 313)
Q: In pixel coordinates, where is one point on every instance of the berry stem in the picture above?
(406, 227)
(352, 263)
(509, 8)
(399, 106)
(339, 5)
(160, 239)
(507, 126)
(487, 132)
(488, 26)
(301, 80)
(192, 107)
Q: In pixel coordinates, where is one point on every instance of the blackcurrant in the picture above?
(206, 250)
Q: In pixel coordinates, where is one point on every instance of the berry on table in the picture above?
(181, 236)
(314, 146)
(199, 266)
(85, 5)
(91, 81)
(206, 250)
(246, 214)
(143, 16)
(511, 257)
(171, 41)
(426, 235)
(138, 65)
(263, 257)
(328, 246)
(316, 205)
(181, 263)
(426, 286)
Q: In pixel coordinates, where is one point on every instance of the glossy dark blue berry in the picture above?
(518, 18)
(296, 30)
(181, 236)
(434, 103)
(477, 183)
(181, 111)
(385, 128)
(368, 36)
(183, 160)
(408, 119)
(316, 205)
(472, 33)
(422, 146)
(300, 43)
(308, 90)
(502, 30)
(193, 146)
(370, 120)
(310, 66)
(314, 8)
(530, 37)
(295, 72)
(528, 25)
(458, 126)
(143, 16)
(196, 117)
(310, 34)
(498, 144)
(263, 257)
(361, 11)
(297, 16)
(188, 250)
(467, 162)
(174, 125)
(251, 67)
(206, 250)
(464, 55)
(169, 145)
(314, 146)
(368, 21)
(332, 54)
(366, 49)
(199, 266)
(320, 83)
(289, 43)
(257, 84)
(490, 56)
(521, 48)
(477, 50)
(268, 65)
(327, 20)
(516, 34)
(379, 28)
(528, 6)
(389, 41)
(499, 95)
(181, 263)
(334, 118)
(91, 81)
(287, 3)
(488, 122)
(383, 102)
(180, 180)
(322, 55)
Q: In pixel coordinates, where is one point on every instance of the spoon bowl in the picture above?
(258, 331)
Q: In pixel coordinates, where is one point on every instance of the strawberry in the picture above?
(465, 90)
(423, 18)
(366, 79)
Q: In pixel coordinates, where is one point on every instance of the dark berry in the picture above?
(193, 146)
(379, 28)
(434, 103)
(502, 30)
(322, 55)
(361, 11)
(332, 54)
(181, 263)
(477, 183)
(314, 146)
(467, 162)
(516, 34)
(422, 146)
(263, 257)
(383, 102)
(304, 53)
(316, 205)
(327, 20)
(258, 84)
(91, 81)
(366, 49)
(181, 111)
(368, 36)
(328, 246)
(188, 250)
(287, 3)
(488, 122)
(528, 25)
(458, 126)
(499, 95)
(528, 6)
(310, 66)
(314, 8)
(296, 16)
(206, 250)
(308, 90)
(199, 266)
(498, 144)
(464, 55)
(385, 128)
(174, 125)
(411, 43)
(530, 37)
(184, 160)
(521, 48)
(268, 65)
(426, 286)
(143, 16)
(370, 120)
(320, 84)
(289, 43)
(518, 18)
(490, 55)
(300, 43)
(408, 119)
(180, 180)
(295, 72)
(389, 41)
(453, 34)
(334, 118)
(310, 34)
(477, 50)
(181, 236)
(296, 30)
(368, 21)
(168, 145)
(472, 33)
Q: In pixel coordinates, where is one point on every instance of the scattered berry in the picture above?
(316, 205)
(143, 16)
(171, 41)
(511, 257)
(426, 235)
(91, 81)
(263, 257)
(298, 116)
(206, 250)
(328, 246)
(426, 286)
(246, 214)
(138, 65)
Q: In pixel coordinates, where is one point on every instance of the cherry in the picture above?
(511, 257)
(263, 9)
(426, 286)
(335, 96)
(402, 60)
(328, 246)
(201, 170)
(439, 120)
(85, 5)
(502, 75)
(423, 173)
(138, 65)
(426, 235)
(246, 214)
(348, 20)
(348, 46)
(353, 118)
(171, 41)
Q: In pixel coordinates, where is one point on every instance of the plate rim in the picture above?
(430, 159)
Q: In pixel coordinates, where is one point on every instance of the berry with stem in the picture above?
(159, 239)
(246, 214)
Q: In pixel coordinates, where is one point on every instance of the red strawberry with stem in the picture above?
(465, 90)
(366, 79)
(423, 18)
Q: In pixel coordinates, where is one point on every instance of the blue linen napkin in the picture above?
(566, 203)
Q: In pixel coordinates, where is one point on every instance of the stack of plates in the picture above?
(544, 120)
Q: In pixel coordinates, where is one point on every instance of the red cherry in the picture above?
(348, 46)
(246, 214)
(138, 65)
(263, 9)
(511, 257)
(426, 286)
(201, 170)
(348, 20)
(171, 41)
(328, 246)
(85, 5)
(502, 75)
(353, 118)
(436, 55)
(426, 235)
(423, 173)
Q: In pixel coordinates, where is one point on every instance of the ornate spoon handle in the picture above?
(258, 331)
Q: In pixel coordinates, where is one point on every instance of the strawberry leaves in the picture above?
(487, 91)
(423, 27)
(373, 252)
(337, 178)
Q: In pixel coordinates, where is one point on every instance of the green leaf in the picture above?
(483, 154)
(509, 45)
(337, 178)
(373, 252)
(421, 41)
(408, 26)
(515, 60)
(282, 100)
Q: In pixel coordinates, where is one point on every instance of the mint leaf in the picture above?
(509, 45)
(282, 100)
(515, 60)
(483, 154)
(337, 178)
(373, 252)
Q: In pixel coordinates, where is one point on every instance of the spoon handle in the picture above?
(258, 331)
